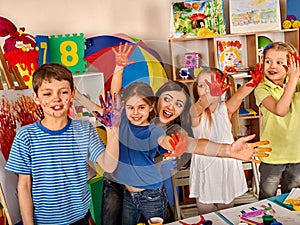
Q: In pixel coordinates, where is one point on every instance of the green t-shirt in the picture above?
(282, 132)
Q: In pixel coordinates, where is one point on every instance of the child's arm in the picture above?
(236, 99)
(25, 198)
(281, 107)
(240, 149)
(108, 160)
(197, 109)
(122, 55)
(87, 103)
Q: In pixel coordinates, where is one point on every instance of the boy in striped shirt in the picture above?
(51, 156)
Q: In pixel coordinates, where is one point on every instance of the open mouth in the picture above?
(57, 107)
(167, 114)
(272, 72)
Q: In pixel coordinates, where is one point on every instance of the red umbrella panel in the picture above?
(148, 67)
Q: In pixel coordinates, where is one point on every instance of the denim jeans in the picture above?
(147, 203)
(112, 203)
(270, 175)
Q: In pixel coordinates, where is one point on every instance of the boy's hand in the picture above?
(111, 114)
(217, 87)
(122, 54)
(257, 75)
(179, 146)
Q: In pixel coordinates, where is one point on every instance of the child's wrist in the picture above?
(118, 68)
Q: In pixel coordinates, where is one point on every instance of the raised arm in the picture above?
(122, 54)
(108, 160)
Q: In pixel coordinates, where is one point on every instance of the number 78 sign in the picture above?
(67, 50)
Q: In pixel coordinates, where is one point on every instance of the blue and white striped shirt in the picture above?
(57, 162)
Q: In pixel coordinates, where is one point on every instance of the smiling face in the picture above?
(273, 65)
(54, 97)
(137, 110)
(170, 105)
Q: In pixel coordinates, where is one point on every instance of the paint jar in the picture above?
(267, 219)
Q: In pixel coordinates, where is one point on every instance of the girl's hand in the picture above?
(122, 54)
(111, 114)
(217, 86)
(256, 75)
(179, 145)
(248, 151)
(293, 61)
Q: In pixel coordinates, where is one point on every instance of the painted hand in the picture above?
(179, 145)
(217, 86)
(290, 58)
(260, 151)
(256, 75)
(122, 54)
(111, 114)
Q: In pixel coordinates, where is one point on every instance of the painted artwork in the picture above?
(197, 18)
(17, 109)
(229, 54)
(254, 15)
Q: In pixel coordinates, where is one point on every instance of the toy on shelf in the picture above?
(290, 22)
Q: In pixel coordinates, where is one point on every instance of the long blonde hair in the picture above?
(229, 94)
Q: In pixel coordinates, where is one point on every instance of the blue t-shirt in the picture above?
(57, 162)
(138, 147)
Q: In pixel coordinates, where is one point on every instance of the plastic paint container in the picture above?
(267, 219)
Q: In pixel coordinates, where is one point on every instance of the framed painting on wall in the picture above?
(197, 18)
(254, 15)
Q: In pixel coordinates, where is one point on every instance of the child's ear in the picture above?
(36, 98)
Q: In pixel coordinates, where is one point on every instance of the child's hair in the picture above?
(142, 90)
(279, 46)
(184, 120)
(51, 71)
(229, 94)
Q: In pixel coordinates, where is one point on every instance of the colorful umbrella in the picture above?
(148, 67)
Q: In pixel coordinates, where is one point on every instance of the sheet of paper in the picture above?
(281, 214)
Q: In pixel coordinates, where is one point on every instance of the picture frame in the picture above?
(254, 15)
(199, 18)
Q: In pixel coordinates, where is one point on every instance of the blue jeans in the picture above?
(270, 175)
(147, 203)
(112, 203)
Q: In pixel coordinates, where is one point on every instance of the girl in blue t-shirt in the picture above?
(140, 141)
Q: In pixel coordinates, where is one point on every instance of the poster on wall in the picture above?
(197, 18)
(254, 15)
(16, 109)
(229, 54)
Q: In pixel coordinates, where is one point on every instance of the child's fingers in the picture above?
(174, 137)
(172, 143)
(258, 143)
(263, 149)
(261, 154)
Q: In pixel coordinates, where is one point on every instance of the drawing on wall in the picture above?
(229, 54)
(254, 15)
(197, 18)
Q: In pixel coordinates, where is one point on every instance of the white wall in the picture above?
(145, 19)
